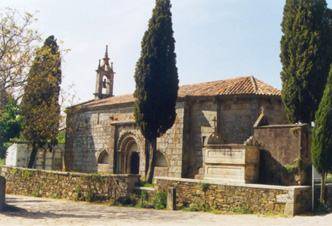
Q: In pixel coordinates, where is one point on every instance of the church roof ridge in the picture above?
(233, 86)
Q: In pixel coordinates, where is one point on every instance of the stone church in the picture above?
(102, 135)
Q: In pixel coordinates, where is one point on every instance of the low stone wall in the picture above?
(258, 198)
(74, 186)
(2, 192)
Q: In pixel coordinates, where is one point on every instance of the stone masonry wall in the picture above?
(284, 146)
(94, 131)
(258, 198)
(74, 186)
(88, 134)
(171, 144)
(199, 126)
(236, 117)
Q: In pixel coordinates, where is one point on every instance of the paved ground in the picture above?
(39, 211)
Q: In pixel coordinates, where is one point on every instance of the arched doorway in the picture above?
(134, 163)
(128, 158)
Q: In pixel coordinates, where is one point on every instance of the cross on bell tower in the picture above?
(104, 78)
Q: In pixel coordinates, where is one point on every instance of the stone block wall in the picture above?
(199, 117)
(235, 116)
(171, 144)
(91, 132)
(74, 186)
(261, 199)
(284, 146)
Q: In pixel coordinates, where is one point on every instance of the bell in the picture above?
(104, 83)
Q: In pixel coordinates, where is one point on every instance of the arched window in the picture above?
(103, 158)
(161, 159)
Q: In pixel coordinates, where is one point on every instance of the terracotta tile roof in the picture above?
(240, 85)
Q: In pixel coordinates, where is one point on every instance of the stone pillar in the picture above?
(2, 192)
(171, 199)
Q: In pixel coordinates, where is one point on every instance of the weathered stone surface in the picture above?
(92, 131)
(258, 198)
(171, 199)
(283, 145)
(234, 163)
(74, 186)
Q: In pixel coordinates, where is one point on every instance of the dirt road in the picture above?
(39, 211)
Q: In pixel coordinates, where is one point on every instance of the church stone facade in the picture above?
(102, 134)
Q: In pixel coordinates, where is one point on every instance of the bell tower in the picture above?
(104, 78)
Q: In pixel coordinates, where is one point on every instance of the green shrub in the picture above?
(78, 193)
(198, 207)
(289, 169)
(126, 201)
(26, 173)
(2, 162)
(323, 208)
(56, 196)
(240, 210)
(36, 193)
(142, 183)
(204, 186)
(14, 171)
(160, 200)
(89, 196)
(144, 196)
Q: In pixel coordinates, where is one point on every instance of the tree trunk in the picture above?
(147, 157)
(322, 187)
(152, 160)
(33, 155)
(2, 149)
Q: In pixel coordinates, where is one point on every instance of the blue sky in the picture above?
(215, 39)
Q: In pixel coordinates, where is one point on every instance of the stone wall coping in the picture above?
(144, 189)
(282, 126)
(224, 145)
(72, 173)
(123, 122)
(262, 186)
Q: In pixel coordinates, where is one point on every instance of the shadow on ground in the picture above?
(35, 208)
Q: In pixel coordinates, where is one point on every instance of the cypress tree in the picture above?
(322, 136)
(305, 57)
(156, 80)
(40, 106)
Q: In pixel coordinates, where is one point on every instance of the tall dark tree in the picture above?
(156, 80)
(322, 136)
(305, 57)
(40, 105)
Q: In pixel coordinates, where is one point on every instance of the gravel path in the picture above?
(39, 211)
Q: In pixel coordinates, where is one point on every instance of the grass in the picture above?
(240, 210)
(142, 183)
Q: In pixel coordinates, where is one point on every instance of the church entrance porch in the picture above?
(128, 157)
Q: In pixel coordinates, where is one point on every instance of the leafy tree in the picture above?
(322, 136)
(10, 124)
(40, 107)
(156, 80)
(305, 57)
(16, 50)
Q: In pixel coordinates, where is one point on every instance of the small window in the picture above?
(161, 160)
(103, 158)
